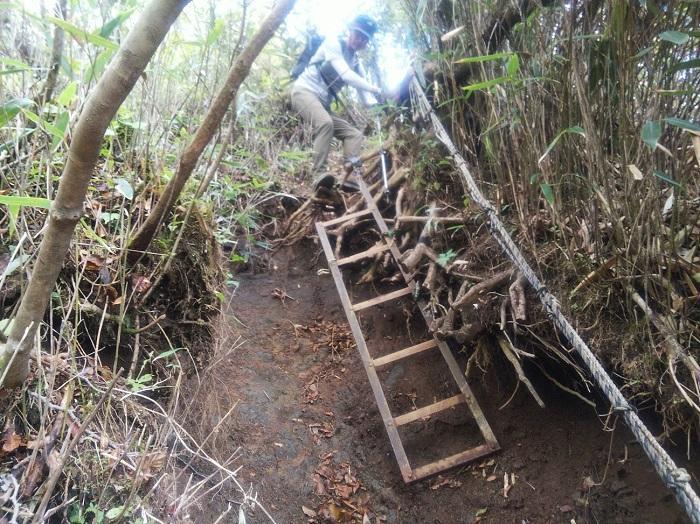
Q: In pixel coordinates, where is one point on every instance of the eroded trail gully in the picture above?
(314, 447)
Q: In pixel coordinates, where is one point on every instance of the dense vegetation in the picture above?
(581, 121)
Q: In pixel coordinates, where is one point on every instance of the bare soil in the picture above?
(313, 446)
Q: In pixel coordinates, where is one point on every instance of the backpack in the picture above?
(313, 42)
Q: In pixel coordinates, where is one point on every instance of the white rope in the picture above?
(677, 479)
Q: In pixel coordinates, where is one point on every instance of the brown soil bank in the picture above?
(314, 447)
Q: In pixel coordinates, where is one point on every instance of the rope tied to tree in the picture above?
(675, 478)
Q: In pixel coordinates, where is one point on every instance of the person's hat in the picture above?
(365, 25)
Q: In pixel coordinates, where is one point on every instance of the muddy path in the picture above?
(313, 445)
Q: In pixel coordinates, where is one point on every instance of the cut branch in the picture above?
(212, 120)
(101, 106)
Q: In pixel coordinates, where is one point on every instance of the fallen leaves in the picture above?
(311, 393)
(281, 295)
(441, 482)
(332, 336)
(344, 497)
(140, 283)
(321, 429)
(11, 442)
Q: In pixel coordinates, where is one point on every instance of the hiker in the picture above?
(332, 66)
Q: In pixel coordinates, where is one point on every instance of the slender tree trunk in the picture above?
(212, 120)
(100, 108)
(56, 53)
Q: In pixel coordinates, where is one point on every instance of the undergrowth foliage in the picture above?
(581, 120)
(93, 434)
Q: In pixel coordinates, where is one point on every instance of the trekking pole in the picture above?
(382, 155)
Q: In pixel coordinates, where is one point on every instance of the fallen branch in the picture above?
(673, 348)
(594, 276)
(65, 455)
(509, 352)
(485, 286)
(517, 298)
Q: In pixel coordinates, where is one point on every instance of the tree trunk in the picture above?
(56, 52)
(100, 108)
(212, 120)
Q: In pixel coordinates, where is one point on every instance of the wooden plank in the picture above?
(426, 411)
(383, 228)
(474, 407)
(378, 248)
(344, 218)
(452, 461)
(455, 370)
(382, 298)
(379, 397)
(409, 475)
(398, 355)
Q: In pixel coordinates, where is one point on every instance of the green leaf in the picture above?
(114, 512)
(15, 203)
(483, 58)
(513, 65)
(683, 124)
(10, 109)
(215, 32)
(67, 95)
(651, 132)
(445, 258)
(24, 201)
(107, 29)
(642, 53)
(548, 193)
(90, 233)
(675, 92)
(682, 66)
(61, 124)
(49, 128)
(481, 512)
(17, 64)
(167, 354)
(576, 130)
(675, 37)
(82, 35)
(100, 63)
(14, 265)
(5, 324)
(109, 217)
(666, 178)
(125, 188)
(487, 83)
(13, 66)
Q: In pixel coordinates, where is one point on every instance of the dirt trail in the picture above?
(314, 446)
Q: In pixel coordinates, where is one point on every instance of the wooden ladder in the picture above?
(391, 422)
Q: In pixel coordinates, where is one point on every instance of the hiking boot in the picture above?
(325, 180)
(328, 196)
(350, 187)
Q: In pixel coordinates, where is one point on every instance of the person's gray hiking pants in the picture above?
(325, 127)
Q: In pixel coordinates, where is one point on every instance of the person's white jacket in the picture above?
(331, 51)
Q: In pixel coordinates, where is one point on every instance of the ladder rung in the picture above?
(343, 218)
(428, 410)
(398, 355)
(382, 298)
(379, 248)
(454, 460)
